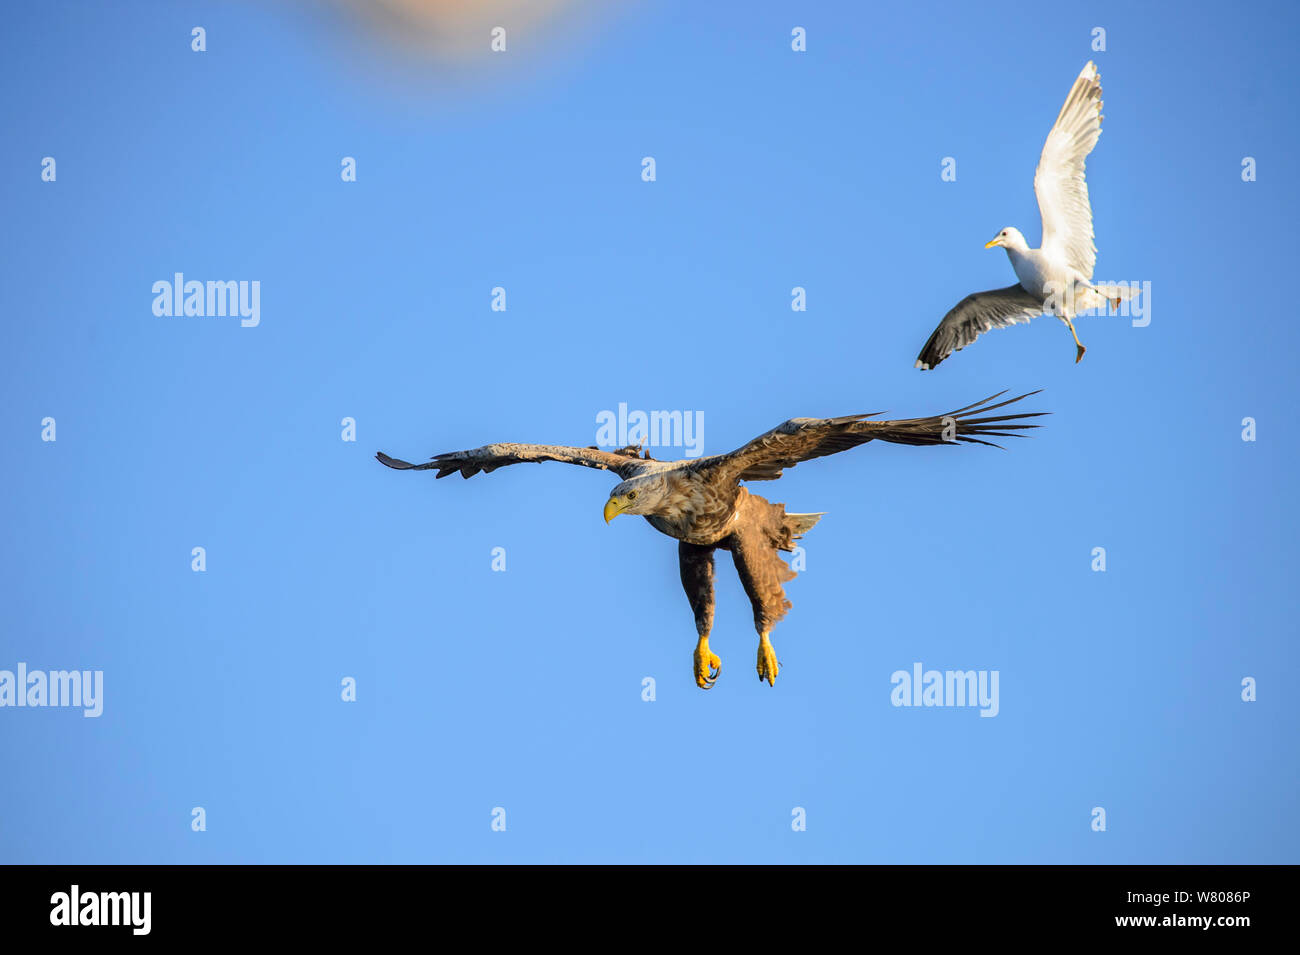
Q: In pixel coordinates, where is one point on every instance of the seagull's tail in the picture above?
(1107, 296)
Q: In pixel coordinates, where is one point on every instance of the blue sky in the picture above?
(522, 689)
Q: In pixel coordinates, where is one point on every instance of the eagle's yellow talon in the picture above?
(767, 665)
(707, 665)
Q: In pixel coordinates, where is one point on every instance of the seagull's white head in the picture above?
(1008, 238)
(638, 495)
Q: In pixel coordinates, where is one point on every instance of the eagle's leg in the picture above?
(696, 565)
(755, 543)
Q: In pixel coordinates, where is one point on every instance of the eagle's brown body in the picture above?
(697, 512)
(754, 534)
(700, 502)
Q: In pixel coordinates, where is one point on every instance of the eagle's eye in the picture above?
(631, 495)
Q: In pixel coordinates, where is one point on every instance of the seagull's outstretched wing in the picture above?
(974, 315)
(802, 439)
(625, 462)
(1059, 182)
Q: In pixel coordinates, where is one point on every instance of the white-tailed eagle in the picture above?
(700, 501)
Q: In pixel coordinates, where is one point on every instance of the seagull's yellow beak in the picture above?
(613, 508)
(993, 242)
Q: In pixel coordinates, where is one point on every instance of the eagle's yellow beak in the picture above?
(612, 509)
(995, 241)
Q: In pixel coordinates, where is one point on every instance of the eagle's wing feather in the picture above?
(802, 439)
(488, 458)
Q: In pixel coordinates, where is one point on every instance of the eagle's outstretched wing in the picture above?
(624, 462)
(801, 439)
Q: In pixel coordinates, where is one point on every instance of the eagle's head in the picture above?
(638, 495)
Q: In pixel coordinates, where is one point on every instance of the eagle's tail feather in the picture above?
(800, 524)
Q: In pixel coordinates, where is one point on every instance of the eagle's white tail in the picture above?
(800, 524)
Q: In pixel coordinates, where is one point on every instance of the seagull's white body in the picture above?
(1056, 278)
(1035, 270)
(1049, 277)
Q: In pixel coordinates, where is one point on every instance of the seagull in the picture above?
(1057, 278)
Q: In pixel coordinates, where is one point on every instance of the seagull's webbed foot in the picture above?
(1078, 357)
(707, 665)
(767, 665)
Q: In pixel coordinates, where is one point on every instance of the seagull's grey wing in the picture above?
(1059, 182)
(488, 458)
(976, 314)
